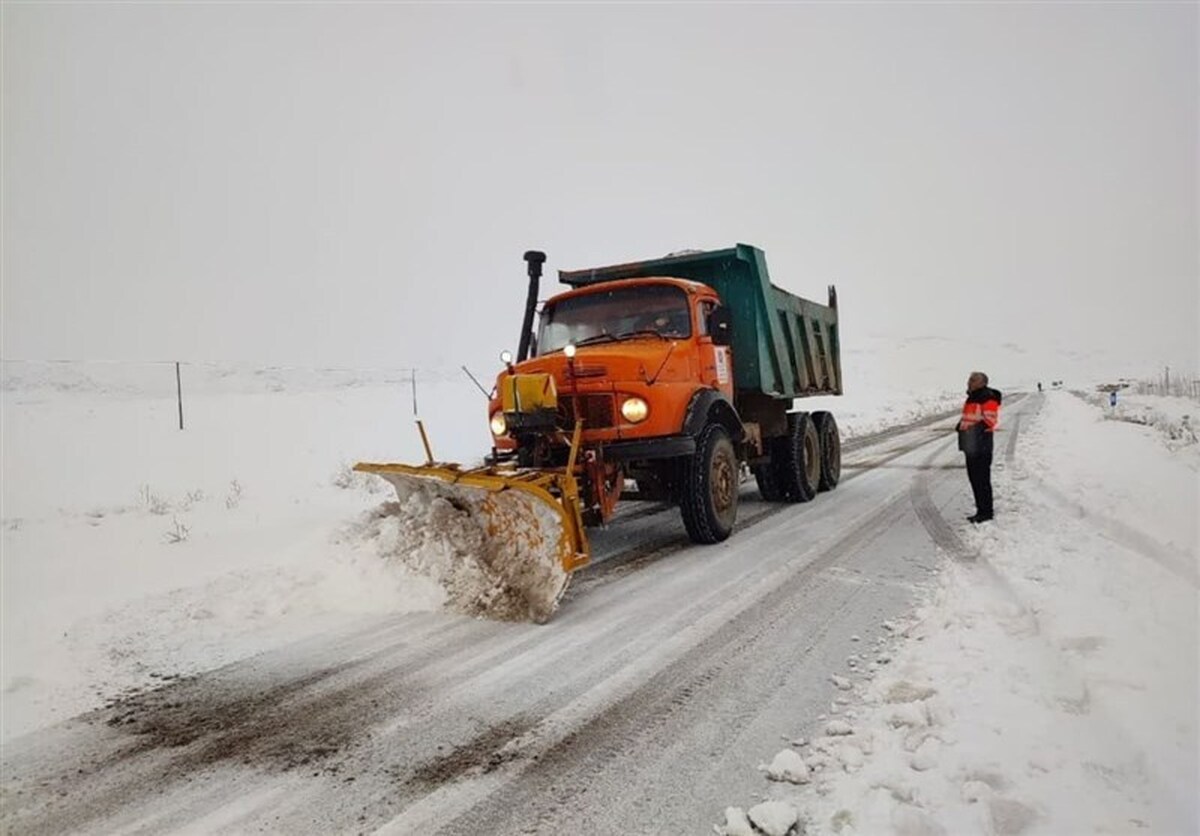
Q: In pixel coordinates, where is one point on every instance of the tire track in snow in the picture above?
(551, 775)
(1177, 562)
(638, 556)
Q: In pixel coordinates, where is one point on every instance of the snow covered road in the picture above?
(669, 670)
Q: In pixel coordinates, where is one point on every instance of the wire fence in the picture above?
(180, 380)
(1177, 385)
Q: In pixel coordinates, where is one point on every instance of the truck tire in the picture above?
(831, 450)
(709, 493)
(799, 458)
(770, 486)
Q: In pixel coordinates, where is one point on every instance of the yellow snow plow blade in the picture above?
(526, 528)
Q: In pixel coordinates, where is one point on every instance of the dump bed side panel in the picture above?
(783, 345)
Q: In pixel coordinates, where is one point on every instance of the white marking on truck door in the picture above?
(722, 365)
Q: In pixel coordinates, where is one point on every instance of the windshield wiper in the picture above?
(596, 338)
(628, 335)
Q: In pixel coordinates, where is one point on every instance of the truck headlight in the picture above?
(635, 410)
(498, 424)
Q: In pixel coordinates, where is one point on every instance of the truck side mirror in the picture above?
(720, 326)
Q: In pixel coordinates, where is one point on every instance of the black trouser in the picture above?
(979, 471)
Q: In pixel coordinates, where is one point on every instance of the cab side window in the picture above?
(705, 311)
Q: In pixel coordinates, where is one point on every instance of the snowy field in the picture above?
(1050, 682)
(133, 551)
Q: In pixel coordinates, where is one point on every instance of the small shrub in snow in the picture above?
(191, 498)
(152, 502)
(178, 533)
(234, 498)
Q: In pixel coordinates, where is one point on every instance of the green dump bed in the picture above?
(783, 346)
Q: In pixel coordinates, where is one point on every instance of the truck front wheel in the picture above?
(709, 493)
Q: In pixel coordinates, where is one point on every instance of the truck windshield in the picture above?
(615, 314)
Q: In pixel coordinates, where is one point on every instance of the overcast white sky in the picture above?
(321, 184)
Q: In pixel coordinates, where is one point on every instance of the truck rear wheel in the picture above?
(799, 458)
(709, 493)
(831, 450)
(770, 486)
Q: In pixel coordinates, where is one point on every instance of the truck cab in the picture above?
(625, 357)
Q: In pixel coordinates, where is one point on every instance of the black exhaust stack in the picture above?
(533, 263)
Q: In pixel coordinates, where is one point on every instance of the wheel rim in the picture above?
(724, 484)
(812, 459)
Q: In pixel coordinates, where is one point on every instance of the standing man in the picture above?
(976, 429)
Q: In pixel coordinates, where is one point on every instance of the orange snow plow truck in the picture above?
(654, 380)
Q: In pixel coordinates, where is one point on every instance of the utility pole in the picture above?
(179, 393)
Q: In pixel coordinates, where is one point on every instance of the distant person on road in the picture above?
(1039, 386)
(976, 429)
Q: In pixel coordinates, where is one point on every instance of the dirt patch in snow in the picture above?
(484, 753)
(278, 726)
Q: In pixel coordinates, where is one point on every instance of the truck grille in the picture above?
(595, 410)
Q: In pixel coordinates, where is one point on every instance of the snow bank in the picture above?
(1049, 684)
(132, 551)
(1114, 471)
(1177, 419)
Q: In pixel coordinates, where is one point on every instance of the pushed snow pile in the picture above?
(773, 818)
(736, 823)
(788, 766)
(495, 553)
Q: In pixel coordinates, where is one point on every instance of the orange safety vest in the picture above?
(986, 411)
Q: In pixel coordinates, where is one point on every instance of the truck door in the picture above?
(716, 361)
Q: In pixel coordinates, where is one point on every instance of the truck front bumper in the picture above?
(640, 449)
